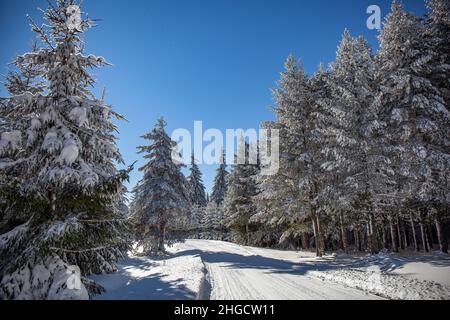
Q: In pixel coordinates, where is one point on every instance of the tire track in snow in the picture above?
(237, 273)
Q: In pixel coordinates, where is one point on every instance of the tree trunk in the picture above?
(305, 241)
(413, 227)
(370, 236)
(399, 234)
(247, 235)
(394, 237)
(369, 239)
(357, 240)
(315, 235)
(430, 240)
(343, 233)
(384, 237)
(424, 238)
(405, 235)
(162, 235)
(443, 244)
(321, 237)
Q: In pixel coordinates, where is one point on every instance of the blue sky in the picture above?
(209, 60)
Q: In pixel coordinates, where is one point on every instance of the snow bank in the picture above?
(386, 285)
(394, 277)
(175, 277)
(49, 280)
(434, 266)
(406, 276)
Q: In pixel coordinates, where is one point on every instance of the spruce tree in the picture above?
(57, 159)
(196, 187)
(275, 203)
(27, 77)
(351, 145)
(413, 108)
(161, 199)
(238, 203)
(220, 183)
(292, 195)
(437, 34)
(301, 111)
(212, 222)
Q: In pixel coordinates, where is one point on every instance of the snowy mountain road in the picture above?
(243, 273)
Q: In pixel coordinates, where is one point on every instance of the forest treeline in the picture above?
(365, 148)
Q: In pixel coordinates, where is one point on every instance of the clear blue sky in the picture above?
(209, 60)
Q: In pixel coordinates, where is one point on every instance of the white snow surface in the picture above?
(178, 276)
(244, 273)
(405, 276)
(203, 269)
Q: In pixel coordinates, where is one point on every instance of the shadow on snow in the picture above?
(122, 285)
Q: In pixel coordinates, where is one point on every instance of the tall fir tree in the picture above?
(212, 222)
(351, 145)
(437, 36)
(276, 205)
(220, 182)
(413, 108)
(161, 203)
(290, 197)
(196, 187)
(25, 79)
(238, 203)
(301, 111)
(58, 156)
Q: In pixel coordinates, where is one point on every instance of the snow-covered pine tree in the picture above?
(25, 79)
(290, 198)
(196, 187)
(418, 123)
(314, 122)
(351, 146)
(196, 218)
(299, 110)
(437, 34)
(279, 210)
(220, 183)
(58, 157)
(161, 200)
(238, 202)
(212, 222)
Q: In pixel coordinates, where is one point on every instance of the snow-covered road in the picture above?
(243, 273)
(202, 269)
